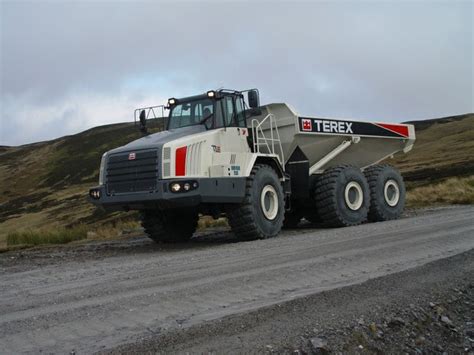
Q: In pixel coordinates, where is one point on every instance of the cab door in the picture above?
(236, 131)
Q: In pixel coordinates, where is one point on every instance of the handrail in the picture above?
(149, 110)
(259, 138)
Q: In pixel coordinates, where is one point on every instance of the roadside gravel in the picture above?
(426, 310)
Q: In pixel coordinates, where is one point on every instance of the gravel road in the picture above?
(101, 295)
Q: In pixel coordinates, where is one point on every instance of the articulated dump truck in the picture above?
(264, 167)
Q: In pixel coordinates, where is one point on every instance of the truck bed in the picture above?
(372, 142)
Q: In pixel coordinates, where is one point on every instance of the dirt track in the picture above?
(101, 295)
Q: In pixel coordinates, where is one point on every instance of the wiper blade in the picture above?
(206, 118)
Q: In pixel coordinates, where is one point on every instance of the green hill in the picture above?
(45, 184)
(444, 148)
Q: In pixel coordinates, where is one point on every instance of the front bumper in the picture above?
(209, 191)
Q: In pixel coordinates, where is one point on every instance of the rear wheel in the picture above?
(387, 192)
(342, 197)
(169, 226)
(261, 214)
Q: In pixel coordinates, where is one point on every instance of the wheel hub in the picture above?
(391, 193)
(269, 202)
(353, 195)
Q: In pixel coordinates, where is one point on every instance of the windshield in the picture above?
(190, 113)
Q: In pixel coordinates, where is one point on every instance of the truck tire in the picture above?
(292, 218)
(261, 214)
(169, 227)
(387, 192)
(342, 197)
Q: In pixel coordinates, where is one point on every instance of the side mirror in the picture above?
(143, 122)
(254, 100)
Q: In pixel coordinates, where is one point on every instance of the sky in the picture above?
(66, 66)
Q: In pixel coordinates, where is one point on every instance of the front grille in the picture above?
(126, 175)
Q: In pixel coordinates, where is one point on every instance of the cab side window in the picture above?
(234, 114)
(240, 114)
(218, 117)
(229, 111)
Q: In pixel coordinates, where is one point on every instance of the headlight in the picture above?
(175, 187)
(102, 169)
(183, 186)
(172, 101)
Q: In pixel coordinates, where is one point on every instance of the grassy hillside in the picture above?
(45, 184)
(444, 148)
(440, 168)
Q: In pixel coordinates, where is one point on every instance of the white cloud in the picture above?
(74, 113)
(69, 66)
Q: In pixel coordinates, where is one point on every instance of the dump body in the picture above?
(318, 137)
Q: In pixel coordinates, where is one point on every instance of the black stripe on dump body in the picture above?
(329, 126)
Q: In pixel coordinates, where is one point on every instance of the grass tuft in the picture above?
(450, 191)
(115, 229)
(209, 222)
(53, 236)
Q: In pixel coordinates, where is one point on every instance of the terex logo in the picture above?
(306, 124)
(333, 126)
(132, 156)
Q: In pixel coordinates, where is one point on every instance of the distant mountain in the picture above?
(46, 183)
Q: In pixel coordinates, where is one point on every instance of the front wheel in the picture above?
(169, 226)
(261, 214)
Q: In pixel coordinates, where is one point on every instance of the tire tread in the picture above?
(376, 212)
(241, 219)
(326, 199)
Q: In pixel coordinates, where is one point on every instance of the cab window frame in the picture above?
(220, 110)
(193, 110)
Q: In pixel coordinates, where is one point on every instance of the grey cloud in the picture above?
(375, 60)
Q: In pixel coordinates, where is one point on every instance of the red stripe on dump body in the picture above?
(180, 162)
(397, 128)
